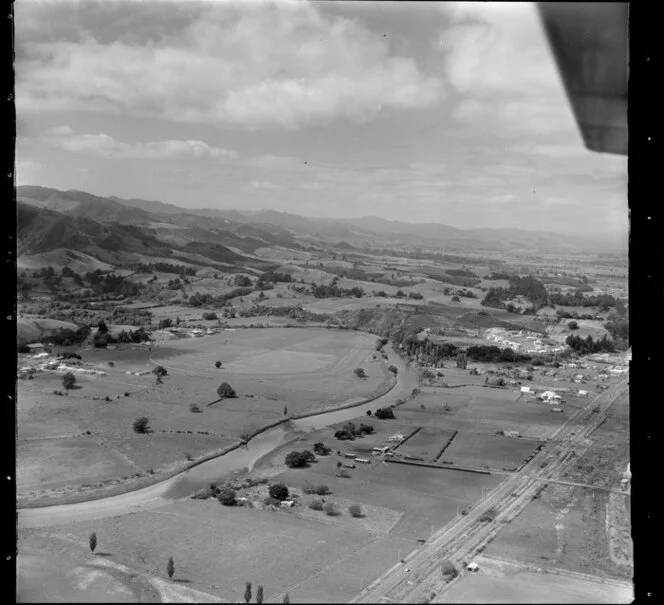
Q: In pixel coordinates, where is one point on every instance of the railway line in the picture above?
(419, 574)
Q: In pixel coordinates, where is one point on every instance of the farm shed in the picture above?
(37, 347)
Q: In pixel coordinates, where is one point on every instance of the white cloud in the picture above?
(497, 58)
(104, 146)
(256, 65)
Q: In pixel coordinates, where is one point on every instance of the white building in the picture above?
(525, 390)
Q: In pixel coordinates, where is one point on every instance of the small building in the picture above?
(512, 434)
(397, 437)
(350, 455)
(583, 393)
(557, 410)
(287, 504)
(473, 567)
(38, 347)
(525, 390)
(550, 395)
(363, 460)
(380, 450)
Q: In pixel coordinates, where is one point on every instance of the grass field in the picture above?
(574, 528)
(501, 582)
(297, 369)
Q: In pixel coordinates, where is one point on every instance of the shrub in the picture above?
(366, 429)
(188, 456)
(343, 474)
(217, 364)
(297, 459)
(355, 510)
(384, 413)
(330, 509)
(368, 412)
(141, 425)
(572, 325)
(111, 364)
(226, 496)
(393, 369)
(160, 371)
(488, 516)
(321, 490)
(320, 449)
(208, 315)
(308, 488)
(225, 390)
(360, 373)
(279, 491)
(194, 409)
(316, 505)
(170, 567)
(69, 380)
(449, 571)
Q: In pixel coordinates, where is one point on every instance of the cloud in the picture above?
(262, 185)
(497, 60)
(251, 65)
(104, 146)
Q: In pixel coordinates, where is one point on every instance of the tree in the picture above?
(320, 449)
(160, 371)
(384, 413)
(392, 369)
(368, 412)
(227, 497)
(102, 327)
(572, 325)
(330, 510)
(167, 322)
(247, 592)
(286, 598)
(285, 410)
(69, 380)
(360, 373)
(92, 541)
(170, 567)
(259, 594)
(297, 459)
(279, 491)
(355, 510)
(141, 425)
(217, 364)
(226, 391)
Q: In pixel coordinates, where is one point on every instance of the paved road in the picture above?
(420, 574)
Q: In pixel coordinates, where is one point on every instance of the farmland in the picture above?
(87, 435)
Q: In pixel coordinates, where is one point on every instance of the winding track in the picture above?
(468, 535)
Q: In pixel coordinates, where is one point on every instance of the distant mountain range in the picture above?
(120, 231)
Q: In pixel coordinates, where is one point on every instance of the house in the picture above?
(473, 567)
(550, 396)
(512, 434)
(38, 347)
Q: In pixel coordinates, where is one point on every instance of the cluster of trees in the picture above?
(135, 336)
(384, 413)
(334, 291)
(111, 284)
(578, 299)
(163, 268)
(461, 273)
(198, 299)
(584, 346)
(492, 353)
(500, 275)
(349, 431)
(299, 459)
(241, 281)
(102, 338)
(529, 287)
(273, 277)
(66, 337)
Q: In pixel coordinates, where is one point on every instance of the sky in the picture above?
(423, 112)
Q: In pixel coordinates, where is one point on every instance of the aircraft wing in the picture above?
(590, 44)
